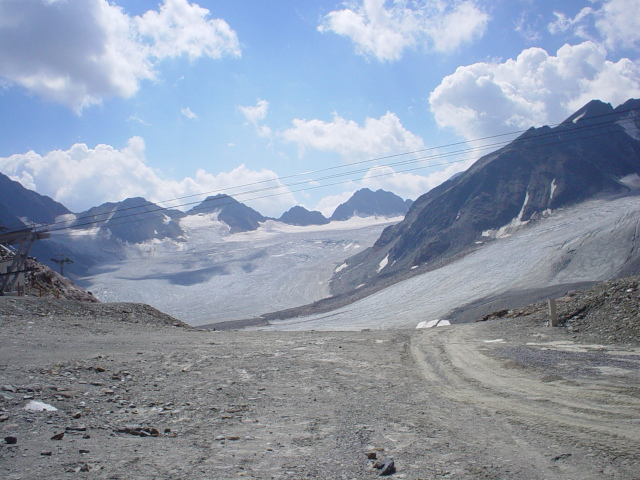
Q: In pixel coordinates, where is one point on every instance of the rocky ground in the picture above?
(138, 394)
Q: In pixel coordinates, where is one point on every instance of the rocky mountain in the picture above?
(302, 217)
(19, 204)
(133, 220)
(595, 151)
(366, 203)
(238, 216)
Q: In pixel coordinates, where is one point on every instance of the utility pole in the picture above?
(61, 260)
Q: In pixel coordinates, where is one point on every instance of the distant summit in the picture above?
(302, 217)
(366, 203)
(238, 216)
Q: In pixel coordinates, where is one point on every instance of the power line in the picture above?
(588, 126)
(547, 135)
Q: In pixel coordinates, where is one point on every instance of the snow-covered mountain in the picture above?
(595, 151)
(238, 216)
(133, 220)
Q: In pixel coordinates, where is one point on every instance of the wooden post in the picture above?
(553, 315)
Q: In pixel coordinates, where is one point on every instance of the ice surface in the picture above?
(589, 242)
(215, 277)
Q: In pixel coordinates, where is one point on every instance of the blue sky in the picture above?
(163, 99)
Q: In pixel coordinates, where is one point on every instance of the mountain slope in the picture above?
(595, 150)
(366, 203)
(238, 216)
(17, 202)
(133, 220)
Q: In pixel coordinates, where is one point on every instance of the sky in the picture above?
(290, 102)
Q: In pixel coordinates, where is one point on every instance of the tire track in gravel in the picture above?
(481, 365)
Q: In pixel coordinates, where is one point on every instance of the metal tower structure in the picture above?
(25, 239)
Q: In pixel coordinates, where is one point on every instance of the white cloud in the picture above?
(181, 28)
(255, 115)
(385, 32)
(377, 137)
(534, 89)
(616, 21)
(187, 113)
(77, 52)
(83, 177)
(328, 204)
(404, 184)
(619, 23)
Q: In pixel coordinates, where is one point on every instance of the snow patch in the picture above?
(34, 406)
(631, 181)
(575, 120)
(511, 227)
(554, 185)
(340, 268)
(433, 323)
(166, 220)
(383, 263)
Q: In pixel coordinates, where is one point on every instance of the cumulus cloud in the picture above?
(618, 24)
(77, 52)
(376, 137)
(83, 177)
(615, 22)
(187, 113)
(328, 204)
(255, 116)
(534, 89)
(383, 30)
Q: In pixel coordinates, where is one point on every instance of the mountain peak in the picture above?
(302, 217)
(593, 109)
(367, 203)
(238, 216)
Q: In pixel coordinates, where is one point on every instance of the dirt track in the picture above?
(506, 399)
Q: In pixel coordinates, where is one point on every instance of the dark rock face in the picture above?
(133, 220)
(18, 202)
(302, 217)
(544, 169)
(238, 216)
(366, 203)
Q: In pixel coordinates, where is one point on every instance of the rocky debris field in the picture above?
(607, 313)
(46, 313)
(45, 282)
(119, 391)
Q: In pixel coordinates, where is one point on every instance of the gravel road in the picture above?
(140, 395)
